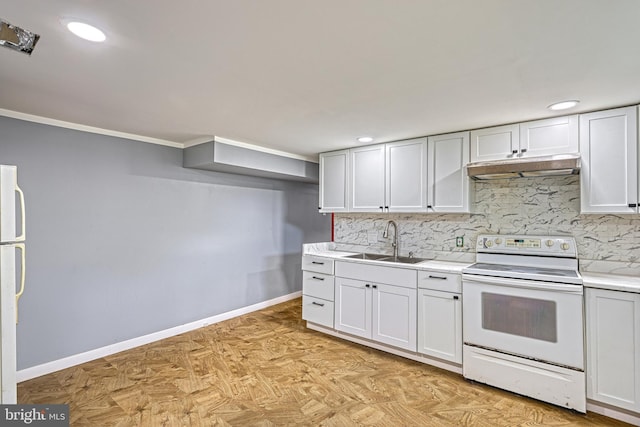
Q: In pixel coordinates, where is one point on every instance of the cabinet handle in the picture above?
(317, 303)
(429, 207)
(367, 285)
(316, 262)
(524, 150)
(455, 297)
(514, 151)
(375, 286)
(317, 278)
(437, 277)
(381, 208)
(319, 207)
(633, 205)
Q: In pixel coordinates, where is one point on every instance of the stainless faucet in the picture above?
(385, 234)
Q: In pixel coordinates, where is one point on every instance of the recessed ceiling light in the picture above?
(86, 31)
(563, 105)
(365, 139)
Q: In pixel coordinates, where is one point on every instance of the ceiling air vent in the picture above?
(16, 38)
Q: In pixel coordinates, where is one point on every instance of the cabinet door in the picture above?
(406, 176)
(613, 347)
(353, 307)
(496, 143)
(448, 181)
(440, 325)
(609, 165)
(367, 179)
(394, 316)
(334, 175)
(558, 135)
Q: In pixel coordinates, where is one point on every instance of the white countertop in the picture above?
(324, 249)
(613, 282)
(327, 250)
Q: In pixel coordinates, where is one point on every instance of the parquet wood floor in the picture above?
(267, 369)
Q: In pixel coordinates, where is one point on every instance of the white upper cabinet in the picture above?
(389, 177)
(558, 135)
(609, 161)
(496, 143)
(406, 176)
(367, 178)
(334, 184)
(448, 183)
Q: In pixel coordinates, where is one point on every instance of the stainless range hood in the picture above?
(565, 164)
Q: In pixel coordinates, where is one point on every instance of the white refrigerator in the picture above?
(12, 274)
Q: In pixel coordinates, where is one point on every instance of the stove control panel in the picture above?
(564, 246)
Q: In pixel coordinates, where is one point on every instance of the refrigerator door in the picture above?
(8, 364)
(8, 221)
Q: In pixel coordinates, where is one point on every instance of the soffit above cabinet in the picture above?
(220, 157)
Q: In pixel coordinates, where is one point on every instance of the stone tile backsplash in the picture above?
(549, 205)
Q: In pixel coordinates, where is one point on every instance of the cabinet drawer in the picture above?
(317, 264)
(446, 282)
(317, 310)
(317, 285)
(377, 274)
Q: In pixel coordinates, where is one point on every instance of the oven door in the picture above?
(537, 320)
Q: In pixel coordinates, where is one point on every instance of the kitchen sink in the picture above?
(403, 259)
(377, 257)
(387, 258)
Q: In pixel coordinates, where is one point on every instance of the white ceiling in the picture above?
(305, 76)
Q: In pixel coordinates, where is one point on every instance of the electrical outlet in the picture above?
(459, 242)
(372, 237)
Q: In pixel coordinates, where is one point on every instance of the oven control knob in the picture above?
(564, 246)
(498, 241)
(488, 243)
(550, 243)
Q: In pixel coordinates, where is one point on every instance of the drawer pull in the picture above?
(316, 262)
(437, 277)
(317, 303)
(317, 278)
(633, 205)
(455, 297)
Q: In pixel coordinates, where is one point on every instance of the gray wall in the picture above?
(122, 241)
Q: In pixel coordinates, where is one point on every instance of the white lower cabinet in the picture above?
(613, 347)
(440, 315)
(394, 316)
(440, 325)
(353, 307)
(383, 313)
(317, 290)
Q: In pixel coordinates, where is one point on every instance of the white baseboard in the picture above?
(77, 359)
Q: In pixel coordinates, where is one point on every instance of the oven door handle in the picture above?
(523, 284)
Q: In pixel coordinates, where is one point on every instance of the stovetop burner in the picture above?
(540, 258)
